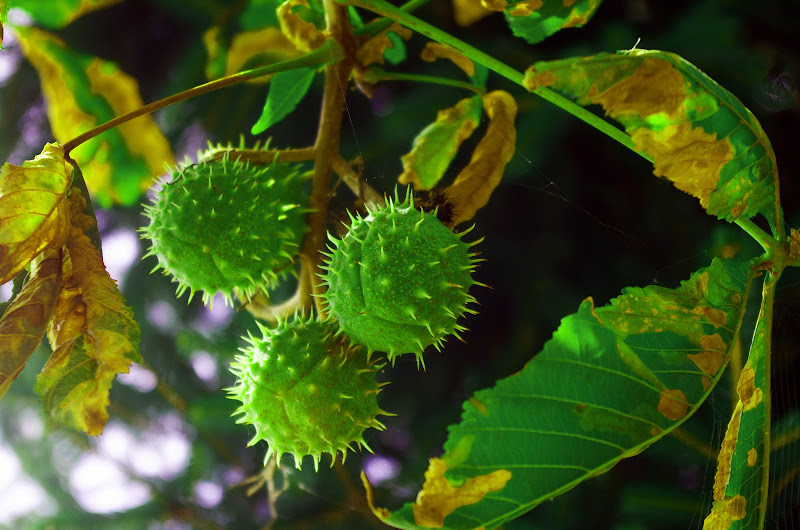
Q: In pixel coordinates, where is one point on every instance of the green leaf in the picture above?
(83, 92)
(610, 382)
(698, 135)
(396, 53)
(742, 478)
(534, 20)
(437, 144)
(59, 13)
(286, 90)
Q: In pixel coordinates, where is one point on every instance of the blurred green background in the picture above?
(576, 215)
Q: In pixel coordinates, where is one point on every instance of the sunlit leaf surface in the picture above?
(33, 215)
(92, 333)
(698, 134)
(82, 92)
(610, 382)
(3, 13)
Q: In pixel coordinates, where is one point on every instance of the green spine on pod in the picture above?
(306, 391)
(227, 226)
(398, 281)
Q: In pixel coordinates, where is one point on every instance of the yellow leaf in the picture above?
(475, 183)
(248, 49)
(304, 35)
(725, 512)
(25, 321)
(33, 215)
(468, 12)
(438, 498)
(81, 93)
(435, 50)
(92, 333)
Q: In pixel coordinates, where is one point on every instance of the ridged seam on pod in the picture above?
(306, 391)
(398, 281)
(227, 226)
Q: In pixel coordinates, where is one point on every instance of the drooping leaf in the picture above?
(286, 90)
(473, 186)
(25, 321)
(82, 92)
(59, 13)
(742, 478)
(92, 333)
(436, 145)
(247, 49)
(698, 134)
(535, 20)
(610, 382)
(435, 50)
(33, 214)
(304, 34)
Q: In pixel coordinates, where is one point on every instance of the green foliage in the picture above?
(286, 90)
(590, 430)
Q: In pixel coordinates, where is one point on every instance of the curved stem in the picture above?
(766, 241)
(385, 9)
(373, 75)
(327, 53)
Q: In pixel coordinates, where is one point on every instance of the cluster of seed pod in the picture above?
(398, 282)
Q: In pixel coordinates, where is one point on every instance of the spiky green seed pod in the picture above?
(229, 227)
(306, 391)
(399, 280)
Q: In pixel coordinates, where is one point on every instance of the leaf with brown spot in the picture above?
(475, 183)
(535, 20)
(25, 320)
(92, 333)
(33, 214)
(372, 50)
(612, 381)
(698, 135)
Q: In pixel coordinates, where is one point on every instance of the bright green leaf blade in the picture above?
(83, 92)
(610, 382)
(59, 13)
(437, 144)
(536, 24)
(396, 53)
(698, 134)
(741, 482)
(286, 90)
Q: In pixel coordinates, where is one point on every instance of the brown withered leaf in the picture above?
(25, 321)
(305, 36)
(435, 50)
(473, 186)
(33, 214)
(92, 333)
(371, 51)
